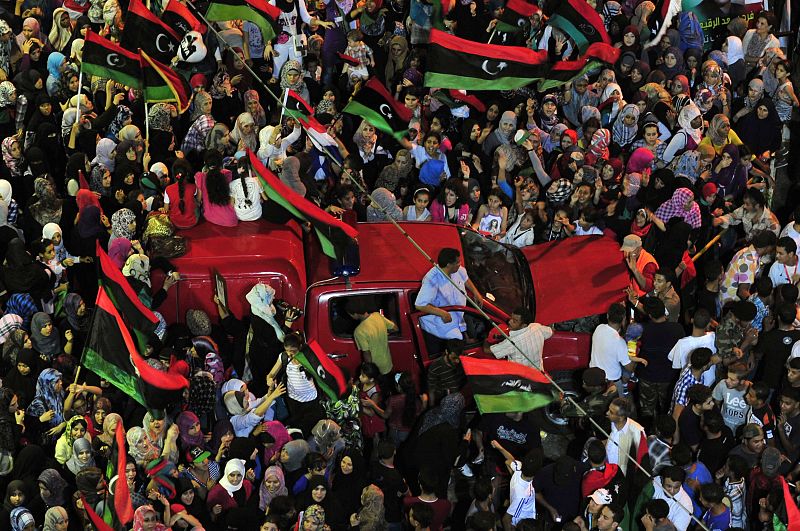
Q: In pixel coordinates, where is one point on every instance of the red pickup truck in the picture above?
(557, 281)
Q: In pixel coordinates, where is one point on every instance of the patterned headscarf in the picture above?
(11, 163)
(160, 116)
(259, 115)
(7, 90)
(601, 139)
(120, 224)
(123, 114)
(47, 398)
(676, 207)
(624, 134)
(715, 132)
(265, 497)
(21, 519)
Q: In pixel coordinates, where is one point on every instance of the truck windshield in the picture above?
(498, 269)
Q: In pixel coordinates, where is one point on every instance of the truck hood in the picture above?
(576, 277)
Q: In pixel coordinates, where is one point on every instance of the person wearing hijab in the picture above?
(21, 275)
(48, 208)
(145, 518)
(245, 132)
(12, 157)
(190, 432)
(729, 174)
(610, 103)
(232, 494)
(626, 126)
(502, 135)
(252, 102)
(745, 106)
(55, 519)
(82, 456)
(349, 479)
(104, 155)
(22, 376)
(720, 134)
(680, 205)
(22, 304)
(393, 173)
(45, 337)
(383, 206)
(690, 120)
(121, 119)
(291, 458)
(761, 129)
(52, 487)
(47, 405)
(56, 65)
(75, 429)
(123, 225)
(273, 485)
(673, 62)
(22, 520)
(202, 123)
(140, 447)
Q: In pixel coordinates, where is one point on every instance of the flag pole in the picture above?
(146, 130)
(78, 103)
(283, 105)
(494, 30)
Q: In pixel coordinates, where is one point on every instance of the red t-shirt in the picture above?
(187, 218)
(441, 510)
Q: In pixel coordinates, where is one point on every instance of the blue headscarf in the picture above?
(54, 62)
(46, 397)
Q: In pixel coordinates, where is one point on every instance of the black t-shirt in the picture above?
(714, 452)
(518, 437)
(657, 340)
(708, 300)
(393, 487)
(565, 498)
(689, 426)
(775, 347)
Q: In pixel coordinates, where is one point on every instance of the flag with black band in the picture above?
(374, 104)
(112, 354)
(162, 84)
(259, 12)
(457, 63)
(326, 373)
(103, 58)
(178, 16)
(145, 31)
(300, 110)
(579, 21)
(515, 16)
(333, 234)
(563, 72)
(505, 386)
(661, 19)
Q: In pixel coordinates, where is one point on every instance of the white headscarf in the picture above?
(688, 113)
(260, 299)
(735, 51)
(232, 466)
(5, 192)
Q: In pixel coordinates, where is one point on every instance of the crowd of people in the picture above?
(688, 416)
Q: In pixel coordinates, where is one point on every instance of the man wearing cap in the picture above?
(744, 267)
(597, 500)
(753, 444)
(764, 478)
(641, 264)
(735, 338)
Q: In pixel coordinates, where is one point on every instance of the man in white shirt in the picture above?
(523, 494)
(792, 229)
(669, 487)
(700, 338)
(627, 438)
(526, 335)
(784, 269)
(609, 350)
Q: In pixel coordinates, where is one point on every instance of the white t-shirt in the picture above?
(781, 274)
(245, 212)
(789, 231)
(680, 507)
(523, 496)
(530, 340)
(679, 355)
(609, 352)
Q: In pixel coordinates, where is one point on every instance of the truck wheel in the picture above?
(553, 421)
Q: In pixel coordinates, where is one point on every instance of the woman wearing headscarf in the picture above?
(383, 206)
(16, 497)
(720, 134)
(349, 479)
(626, 126)
(48, 208)
(610, 104)
(22, 520)
(45, 337)
(105, 153)
(252, 103)
(761, 128)
(680, 205)
(673, 62)
(435, 443)
(75, 429)
(202, 123)
(393, 173)
(744, 106)
(123, 117)
(140, 446)
(46, 411)
(729, 174)
(56, 64)
(273, 485)
(372, 515)
(55, 519)
(123, 225)
(20, 274)
(502, 135)
(233, 494)
(190, 432)
(12, 159)
(22, 376)
(193, 499)
(82, 456)
(245, 132)
(22, 304)
(145, 518)
(396, 63)
(690, 134)
(105, 440)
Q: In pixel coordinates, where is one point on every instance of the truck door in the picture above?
(333, 328)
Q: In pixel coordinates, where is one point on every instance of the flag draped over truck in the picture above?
(506, 387)
(334, 235)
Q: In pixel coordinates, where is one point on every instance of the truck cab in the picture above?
(557, 281)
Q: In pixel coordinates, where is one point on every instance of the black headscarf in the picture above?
(20, 273)
(24, 386)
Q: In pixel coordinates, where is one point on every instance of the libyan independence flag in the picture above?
(333, 234)
(162, 84)
(565, 71)
(103, 58)
(374, 104)
(112, 354)
(300, 110)
(143, 30)
(259, 12)
(456, 63)
(506, 387)
(579, 21)
(515, 16)
(326, 373)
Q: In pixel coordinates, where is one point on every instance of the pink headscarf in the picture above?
(280, 434)
(119, 250)
(640, 160)
(675, 207)
(599, 145)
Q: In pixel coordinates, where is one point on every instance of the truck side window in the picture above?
(343, 325)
